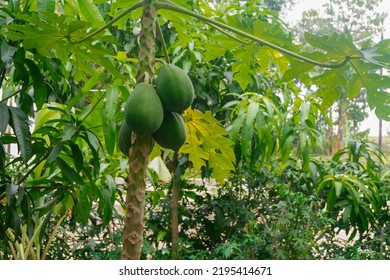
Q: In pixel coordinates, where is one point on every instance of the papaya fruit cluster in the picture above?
(157, 110)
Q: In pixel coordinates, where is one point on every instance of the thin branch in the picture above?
(163, 4)
(16, 92)
(93, 108)
(164, 46)
(35, 166)
(111, 22)
(3, 70)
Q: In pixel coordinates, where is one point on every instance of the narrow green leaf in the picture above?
(109, 124)
(40, 90)
(338, 187)
(55, 152)
(4, 118)
(68, 172)
(91, 13)
(236, 127)
(347, 213)
(331, 200)
(2, 158)
(287, 147)
(22, 132)
(93, 141)
(69, 131)
(47, 6)
(247, 130)
(77, 156)
(7, 53)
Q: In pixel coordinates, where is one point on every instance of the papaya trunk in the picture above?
(141, 148)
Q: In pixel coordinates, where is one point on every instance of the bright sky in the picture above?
(296, 14)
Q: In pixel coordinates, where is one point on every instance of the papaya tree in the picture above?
(65, 68)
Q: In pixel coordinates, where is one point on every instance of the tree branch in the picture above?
(111, 22)
(164, 4)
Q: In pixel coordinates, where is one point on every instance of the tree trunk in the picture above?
(141, 148)
(175, 206)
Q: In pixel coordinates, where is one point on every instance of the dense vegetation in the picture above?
(255, 178)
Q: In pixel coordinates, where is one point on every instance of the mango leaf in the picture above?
(77, 157)
(83, 205)
(109, 124)
(40, 91)
(55, 152)
(247, 129)
(4, 118)
(21, 129)
(107, 199)
(2, 158)
(7, 53)
(68, 172)
(91, 13)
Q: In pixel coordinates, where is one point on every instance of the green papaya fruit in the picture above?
(143, 110)
(172, 132)
(124, 138)
(174, 88)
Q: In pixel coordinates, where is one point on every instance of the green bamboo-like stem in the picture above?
(141, 148)
(163, 4)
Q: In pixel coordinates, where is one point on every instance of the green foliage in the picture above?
(251, 129)
(207, 145)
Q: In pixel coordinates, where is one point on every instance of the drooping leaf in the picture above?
(68, 172)
(109, 124)
(4, 118)
(77, 157)
(55, 152)
(22, 131)
(2, 158)
(7, 53)
(247, 129)
(40, 91)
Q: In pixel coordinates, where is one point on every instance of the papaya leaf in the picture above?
(47, 6)
(21, 129)
(377, 87)
(330, 83)
(207, 141)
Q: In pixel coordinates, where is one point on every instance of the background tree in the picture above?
(365, 22)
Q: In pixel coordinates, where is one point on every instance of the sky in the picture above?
(295, 15)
